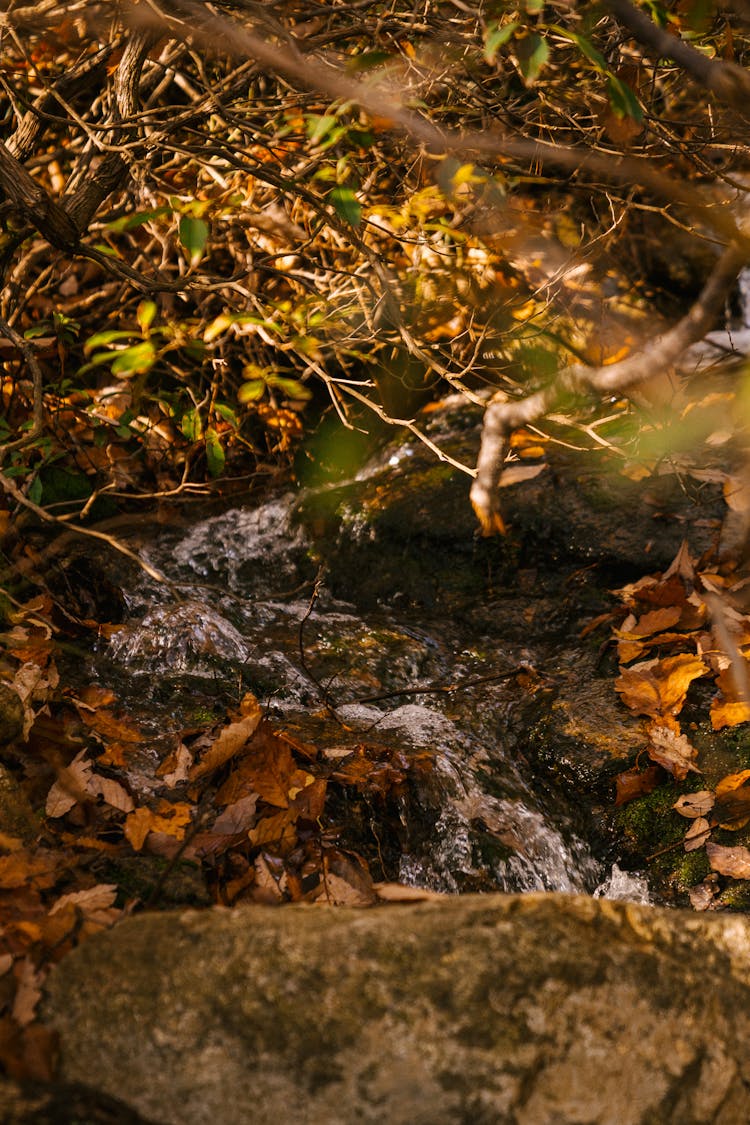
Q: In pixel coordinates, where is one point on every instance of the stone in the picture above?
(531, 1010)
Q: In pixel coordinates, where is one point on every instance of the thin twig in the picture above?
(12, 489)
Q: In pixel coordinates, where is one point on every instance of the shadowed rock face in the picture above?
(531, 1010)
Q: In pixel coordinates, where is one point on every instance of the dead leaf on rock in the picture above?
(724, 713)
(267, 769)
(672, 750)
(236, 818)
(635, 783)
(659, 687)
(176, 768)
(729, 861)
(693, 805)
(703, 896)
(171, 820)
(697, 834)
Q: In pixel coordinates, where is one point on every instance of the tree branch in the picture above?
(501, 418)
(728, 81)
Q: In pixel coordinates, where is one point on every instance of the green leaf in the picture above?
(319, 126)
(532, 53)
(193, 236)
(367, 60)
(622, 99)
(100, 339)
(496, 37)
(35, 491)
(134, 361)
(251, 391)
(130, 222)
(145, 314)
(215, 455)
(226, 413)
(292, 388)
(584, 45)
(191, 425)
(346, 205)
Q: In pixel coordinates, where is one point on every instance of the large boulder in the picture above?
(534, 1010)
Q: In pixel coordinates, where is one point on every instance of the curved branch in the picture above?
(728, 81)
(501, 418)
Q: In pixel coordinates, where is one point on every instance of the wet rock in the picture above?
(536, 1010)
(190, 637)
(404, 529)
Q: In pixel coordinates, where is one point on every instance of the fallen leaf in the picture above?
(111, 792)
(697, 834)
(732, 808)
(729, 861)
(267, 769)
(728, 714)
(231, 739)
(278, 830)
(236, 818)
(672, 750)
(695, 804)
(176, 768)
(635, 783)
(97, 898)
(659, 687)
(72, 786)
(702, 897)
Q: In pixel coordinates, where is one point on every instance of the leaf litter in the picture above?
(690, 625)
(237, 810)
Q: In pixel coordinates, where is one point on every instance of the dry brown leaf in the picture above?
(20, 868)
(267, 769)
(729, 861)
(654, 621)
(659, 687)
(90, 901)
(231, 739)
(111, 792)
(176, 768)
(697, 834)
(236, 818)
(635, 783)
(72, 786)
(703, 896)
(277, 831)
(672, 750)
(172, 820)
(731, 782)
(732, 808)
(693, 805)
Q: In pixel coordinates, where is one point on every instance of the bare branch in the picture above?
(501, 418)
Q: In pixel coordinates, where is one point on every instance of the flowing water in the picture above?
(247, 615)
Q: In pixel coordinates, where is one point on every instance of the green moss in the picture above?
(650, 822)
(736, 897)
(693, 869)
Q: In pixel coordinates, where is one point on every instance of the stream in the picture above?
(336, 636)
